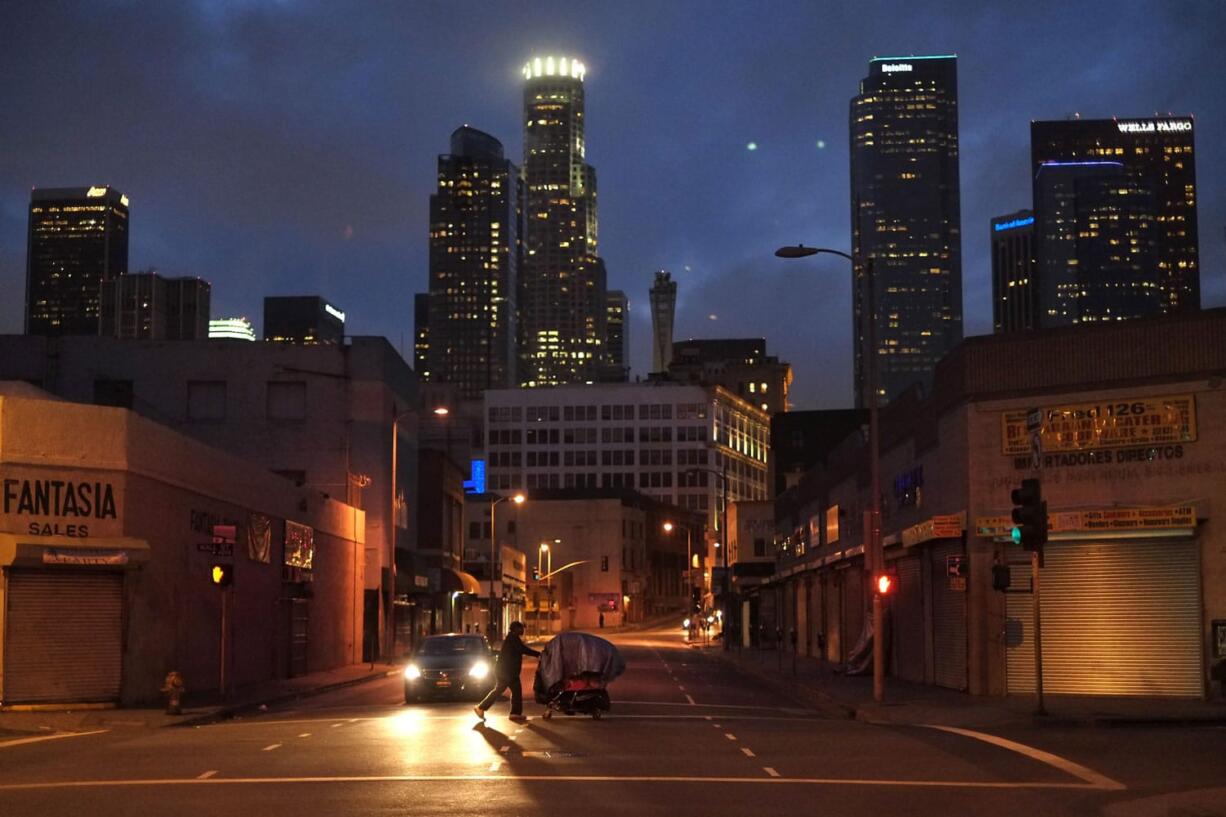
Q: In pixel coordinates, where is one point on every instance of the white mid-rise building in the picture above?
(670, 441)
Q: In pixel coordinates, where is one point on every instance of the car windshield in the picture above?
(450, 646)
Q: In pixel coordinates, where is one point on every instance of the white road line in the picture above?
(730, 736)
(495, 765)
(704, 717)
(40, 738)
(506, 747)
(747, 751)
(717, 726)
(206, 775)
(477, 778)
(691, 700)
(680, 687)
(337, 724)
(270, 747)
(355, 720)
(305, 735)
(1083, 773)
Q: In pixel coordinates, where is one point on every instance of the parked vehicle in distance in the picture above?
(449, 666)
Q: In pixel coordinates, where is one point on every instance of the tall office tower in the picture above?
(302, 319)
(1015, 293)
(617, 338)
(474, 267)
(146, 305)
(1132, 185)
(78, 238)
(563, 306)
(421, 336)
(906, 220)
(663, 310)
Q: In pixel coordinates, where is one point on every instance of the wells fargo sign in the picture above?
(1107, 424)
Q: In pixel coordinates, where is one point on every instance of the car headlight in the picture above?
(479, 670)
(686, 624)
(412, 672)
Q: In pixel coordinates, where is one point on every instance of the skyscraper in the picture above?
(474, 267)
(302, 319)
(421, 336)
(1014, 290)
(146, 305)
(78, 238)
(906, 219)
(617, 339)
(564, 280)
(663, 311)
(1115, 209)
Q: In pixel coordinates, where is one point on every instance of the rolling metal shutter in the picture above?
(834, 618)
(1122, 618)
(802, 616)
(1019, 625)
(853, 606)
(948, 622)
(908, 620)
(63, 637)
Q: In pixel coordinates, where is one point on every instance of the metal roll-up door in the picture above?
(1122, 617)
(1019, 624)
(63, 637)
(948, 621)
(802, 615)
(908, 620)
(853, 607)
(834, 618)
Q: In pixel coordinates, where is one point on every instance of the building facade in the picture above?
(109, 527)
(740, 365)
(617, 340)
(302, 319)
(77, 238)
(231, 329)
(1015, 306)
(1132, 445)
(472, 306)
(147, 305)
(906, 220)
(321, 416)
(1137, 238)
(670, 441)
(564, 280)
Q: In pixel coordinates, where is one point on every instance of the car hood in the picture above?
(447, 662)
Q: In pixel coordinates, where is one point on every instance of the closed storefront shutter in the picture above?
(908, 620)
(1019, 621)
(948, 621)
(802, 616)
(63, 636)
(853, 606)
(834, 618)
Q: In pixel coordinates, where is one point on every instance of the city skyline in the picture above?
(280, 194)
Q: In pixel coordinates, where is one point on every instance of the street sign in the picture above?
(225, 534)
(955, 565)
(216, 548)
(1034, 419)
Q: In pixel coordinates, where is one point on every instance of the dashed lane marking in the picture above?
(690, 699)
(747, 751)
(1083, 773)
(680, 687)
(40, 738)
(730, 736)
(206, 775)
(305, 735)
(270, 747)
(495, 765)
(338, 724)
(773, 779)
(504, 748)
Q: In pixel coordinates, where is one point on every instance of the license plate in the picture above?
(443, 683)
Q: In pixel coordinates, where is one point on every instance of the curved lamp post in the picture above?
(518, 499)
(873, 555)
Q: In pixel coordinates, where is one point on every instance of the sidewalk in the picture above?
(200, 709)
(905, 702)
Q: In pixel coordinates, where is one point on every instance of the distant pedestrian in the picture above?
(602, 619)
(510, 662)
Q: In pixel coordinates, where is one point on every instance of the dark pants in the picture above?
(517, 695)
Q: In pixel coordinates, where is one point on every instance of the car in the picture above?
(449, 666)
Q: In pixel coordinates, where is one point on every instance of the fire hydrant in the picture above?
(174, 690)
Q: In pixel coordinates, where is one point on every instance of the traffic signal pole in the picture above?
(223, 667)
(1038, 634)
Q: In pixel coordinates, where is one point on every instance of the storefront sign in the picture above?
(299, 545)
(64, 505)
(1150, 421)
(84, 557)
(1106, 519)
(946, 526)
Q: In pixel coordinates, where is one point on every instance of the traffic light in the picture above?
(222, 575)
(1030, 516)
(884, 584)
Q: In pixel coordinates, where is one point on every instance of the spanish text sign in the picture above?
(1106, 424)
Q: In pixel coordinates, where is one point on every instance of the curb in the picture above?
(229, 712)
(814, 698)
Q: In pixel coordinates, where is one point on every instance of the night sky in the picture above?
(290, 147)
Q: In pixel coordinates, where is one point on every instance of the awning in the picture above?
(49, 551)
(457, 581)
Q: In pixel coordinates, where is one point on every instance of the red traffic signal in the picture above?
(884, 584)
(222, 575)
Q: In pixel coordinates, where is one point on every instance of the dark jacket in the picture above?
(511, 657)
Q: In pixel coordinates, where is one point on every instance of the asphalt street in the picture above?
(688, 735)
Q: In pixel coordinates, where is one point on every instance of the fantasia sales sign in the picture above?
(42, 503)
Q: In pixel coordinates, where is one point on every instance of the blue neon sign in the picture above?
(476, 485)
(1014, 224)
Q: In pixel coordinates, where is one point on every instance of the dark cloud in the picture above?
(277, 147)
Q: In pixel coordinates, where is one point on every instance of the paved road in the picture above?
(688, 735)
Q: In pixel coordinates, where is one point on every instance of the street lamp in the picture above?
(689, 576)
(544, 554)
(518, 499)
(873, 554)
